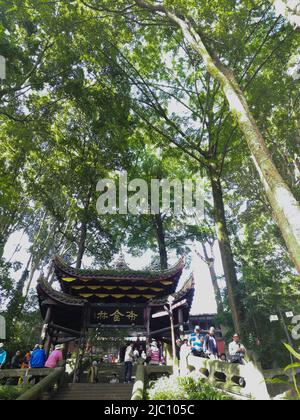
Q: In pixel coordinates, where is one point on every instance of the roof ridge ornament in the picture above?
(121, 263)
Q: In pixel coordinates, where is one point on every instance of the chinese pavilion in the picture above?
(109, 298)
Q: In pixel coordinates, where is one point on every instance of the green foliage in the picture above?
(295, 391)
(12, 393)
(293, 366)
(5, 283)
(93, 90)
(180, 389)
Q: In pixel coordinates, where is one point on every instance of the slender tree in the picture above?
(286, 208)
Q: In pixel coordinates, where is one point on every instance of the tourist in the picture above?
(155, 353)
(38, 357)
(178, 347)
(185, 351)
(93, 373)
(210, 345)
(237, 351)
(144, 356)
(197, 342)
(17, 361)
(122, 353)
(26, 361)
(223, 358)
(136, 355)
(114, 380)
(129, 358)
(139, 346)
(3, 356)
(55, 358)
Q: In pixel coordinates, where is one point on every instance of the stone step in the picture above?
(98, 392)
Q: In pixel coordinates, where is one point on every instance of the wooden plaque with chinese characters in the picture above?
(118, 316)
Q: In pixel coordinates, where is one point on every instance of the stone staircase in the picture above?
(94, 392)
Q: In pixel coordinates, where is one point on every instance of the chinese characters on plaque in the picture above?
(115, 316)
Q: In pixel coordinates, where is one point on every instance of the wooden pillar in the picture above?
(148, 320)
(45, 336)
(81, 348)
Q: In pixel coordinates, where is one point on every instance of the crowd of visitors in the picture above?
(199, 343)
(33, 359)
(205, 345)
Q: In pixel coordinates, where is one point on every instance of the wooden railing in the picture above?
(48, 386)
(24, 374)
(50, 380)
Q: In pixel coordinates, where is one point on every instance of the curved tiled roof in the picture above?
(45, 291)
(118, 274)
(120, 285)
(187, 291)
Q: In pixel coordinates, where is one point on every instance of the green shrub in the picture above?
(176, 388)
(294, 393)
(10, 393)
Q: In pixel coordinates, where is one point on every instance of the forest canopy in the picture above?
(162, 90)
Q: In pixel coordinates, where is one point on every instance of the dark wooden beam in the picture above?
(64, 329)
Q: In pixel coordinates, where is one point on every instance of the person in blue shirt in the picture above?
(197, 342)
(3, 356)
(38, 357)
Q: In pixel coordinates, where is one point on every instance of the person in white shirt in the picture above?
(237, 351)
(185, 351)
(129, 358)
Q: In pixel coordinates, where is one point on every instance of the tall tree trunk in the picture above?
(33, 269)
(81, 244)
(210, 261)
(285, 207)
(161, 241)
(289, 9)
(3, 240)
(226, 253)
(2, 245)
(15, 306)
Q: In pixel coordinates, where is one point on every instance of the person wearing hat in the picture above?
(93, 373)
(3, 356)
(55, 358)
(196, 342)
(237, 351)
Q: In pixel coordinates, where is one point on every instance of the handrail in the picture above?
(244, 380)
(34, 393)
(22, 373)
(142, 376)
(140, 383)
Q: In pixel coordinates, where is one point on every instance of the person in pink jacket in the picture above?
(155, 353)
(55, 357)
